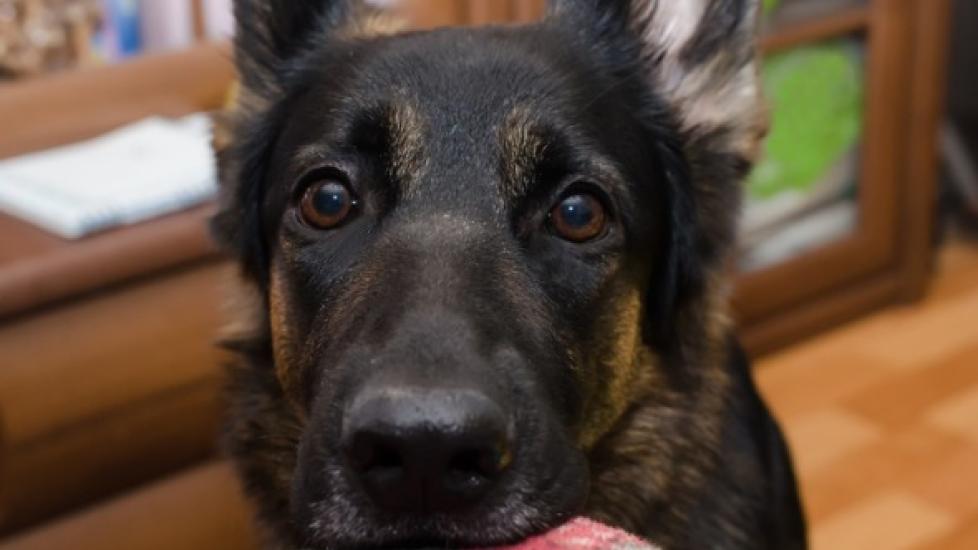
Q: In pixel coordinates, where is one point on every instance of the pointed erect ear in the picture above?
(272, 32)
(701, 57)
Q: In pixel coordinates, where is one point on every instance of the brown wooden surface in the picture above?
(481, 12)
(929, 90)
(107, 392)
(887, 99)
(528, 10)
(791, 34)
(44, 112)
(199, 510)
(426, 14)
(37, 268)
(439, 13)
(881, 416)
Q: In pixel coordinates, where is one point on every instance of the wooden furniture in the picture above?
(108, 373)
(201, 509)
(108, 376)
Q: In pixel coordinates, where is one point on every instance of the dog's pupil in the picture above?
(331, 200)
(577, 212)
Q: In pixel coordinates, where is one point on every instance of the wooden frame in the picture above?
(887, 258)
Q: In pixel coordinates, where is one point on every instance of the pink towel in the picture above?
(583, 534)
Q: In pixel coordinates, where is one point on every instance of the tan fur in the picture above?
(661, 446)
(407, 134)
(626, 364)
(284, 344)
(521, 148)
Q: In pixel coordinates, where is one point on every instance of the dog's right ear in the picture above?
(271, 33)
(271, 36)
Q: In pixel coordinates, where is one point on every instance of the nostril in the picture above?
(386, 456)
(382, 468)
(478, 461)
(369, 453)
(472, 462)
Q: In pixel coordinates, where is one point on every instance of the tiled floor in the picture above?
(883, 418)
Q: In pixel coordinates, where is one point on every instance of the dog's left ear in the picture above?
(699, 58)
(699, 55)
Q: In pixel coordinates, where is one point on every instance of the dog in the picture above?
(484, 276)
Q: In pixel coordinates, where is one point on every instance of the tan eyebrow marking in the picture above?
(522, 147)
(406, 131)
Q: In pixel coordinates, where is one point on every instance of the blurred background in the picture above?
(857, 276)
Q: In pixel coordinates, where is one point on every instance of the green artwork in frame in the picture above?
(816, 98)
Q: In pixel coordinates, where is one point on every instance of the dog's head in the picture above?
(475, 250)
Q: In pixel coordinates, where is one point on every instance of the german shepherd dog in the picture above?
(487, 269)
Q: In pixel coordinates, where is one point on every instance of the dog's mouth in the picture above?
(520, 509)
(529, 498)
(496, 530)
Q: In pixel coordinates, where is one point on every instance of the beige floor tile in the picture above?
(958, 414)
(892, 521)
(886, 465)
(918, 336)
(799, 385)
(902, 399)
(821, 438)
(883, 416)
(964, 537)
(951, 483)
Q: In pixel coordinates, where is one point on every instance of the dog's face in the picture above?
(458, 216)
(472, 246)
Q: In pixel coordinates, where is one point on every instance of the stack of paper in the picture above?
(153, 167)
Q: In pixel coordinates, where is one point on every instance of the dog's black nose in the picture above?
(424, 451)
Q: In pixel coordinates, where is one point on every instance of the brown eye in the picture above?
(327, 204)
(579, 218)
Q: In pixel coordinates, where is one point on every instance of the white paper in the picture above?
(150, 168)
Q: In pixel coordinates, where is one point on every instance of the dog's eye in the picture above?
(327, 204)
(579, 218)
